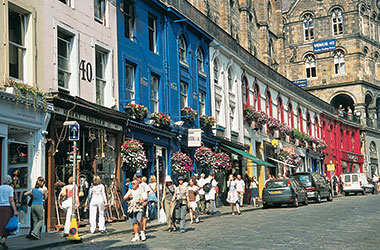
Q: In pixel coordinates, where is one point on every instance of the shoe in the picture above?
(239, 213)
(197, 220)
(142, 235)
(174, 228)
(232, 213)
(191, 222)
(103, 231)
(170, 230)
(65, 235)
(4, 245)
(28, 236)
(182, 230)
(136, 238)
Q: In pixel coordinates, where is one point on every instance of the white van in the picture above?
(356, 183)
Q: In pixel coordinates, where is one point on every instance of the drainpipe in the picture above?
(166, 89)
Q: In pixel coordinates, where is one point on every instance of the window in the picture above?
(268, 104)
(218, 104)
(129, 18)
(232, 118)
(101, 63)
(99, 9)
(308, 124)
(17, 48)
(300, 120)
(337, 21)
(64, 51)
(230, 80)
(154, 92)
(257, 98)
(270, 48)
(316, 130)
(269, 10)
(367, 60)
(290, 116)
(310, 66)
(339, 62)
(152, 25)
(280, 110)
(182, 49)
(372, 26)
(130, 83)
(245, 91)
(200, 61)
(184, 98)
(377, 66)
(202, 103)
(308, 26)
(216, 72)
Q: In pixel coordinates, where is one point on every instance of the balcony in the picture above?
(351, 118)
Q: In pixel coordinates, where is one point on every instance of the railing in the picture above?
(350, 117)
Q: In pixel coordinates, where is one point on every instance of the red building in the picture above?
(343, 145)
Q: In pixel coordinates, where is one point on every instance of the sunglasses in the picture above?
(134, 183)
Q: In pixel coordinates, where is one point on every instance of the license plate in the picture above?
(347, 185)
(276, 192)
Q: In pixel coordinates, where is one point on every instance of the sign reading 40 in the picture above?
(86, 70)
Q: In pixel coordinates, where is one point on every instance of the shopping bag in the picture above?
(12, 224)
(162, 216)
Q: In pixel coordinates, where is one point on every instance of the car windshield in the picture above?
(355, 178)
(304, 179)
(347, 178)
(277, 184)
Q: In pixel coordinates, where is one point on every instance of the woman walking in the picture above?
(98, 201)
(7, 208)
(232, 196)
(39, 193)
(167, 203)
(152, 198)
(193, 194)
(254, 186)
(181, 200)
(65, 201)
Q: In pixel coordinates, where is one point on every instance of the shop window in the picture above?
(184, 95)
(339, 62)
(202, 103)
(182, 48)
(18, 164)
(154, 92)
(310, 66)
(130, 82)
(308, 26)
(101, 63)
(337, 21)
(129, 18)
(99, 10)
(152, 29)
(17, 47)
(64, 41)
(200, 61)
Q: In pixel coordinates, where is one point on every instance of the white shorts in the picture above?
(193, 204)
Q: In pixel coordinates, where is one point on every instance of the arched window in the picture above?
(372, 25)
(337, 21)
(200, 61)
(270, 48)
(316, 128)
(182, 49)
(308, 123)
(269, 11)
(377, 66)
(367, 60)
(339, 62)
(310, 66)
(257, 97)
(230, 79)
(308, 27)
(216, 71)
(300, 120)
(245, 91)
(268, 104)
(280, 110)
(290, 115)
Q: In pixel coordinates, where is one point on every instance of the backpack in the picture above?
(207, 187)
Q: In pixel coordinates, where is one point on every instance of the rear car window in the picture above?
(347, 178)
(277, 184)
(355, 178)
(304, 179)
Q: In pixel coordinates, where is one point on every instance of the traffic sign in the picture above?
(331, 167)
(74, 132)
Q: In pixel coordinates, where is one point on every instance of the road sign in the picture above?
(331, 167)
(74, 132)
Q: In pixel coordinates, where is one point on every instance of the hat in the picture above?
(168, 179)
(138, 174)
(7, 180)
(181, 177)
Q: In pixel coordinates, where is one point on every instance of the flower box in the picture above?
(160, 120)
(206, 121)
(189, 114)
(181, 163)
(136, 112)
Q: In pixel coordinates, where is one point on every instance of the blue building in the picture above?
(163, 65)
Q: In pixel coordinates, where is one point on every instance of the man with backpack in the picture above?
(210, 189)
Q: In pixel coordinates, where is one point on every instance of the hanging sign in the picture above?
(194, 137)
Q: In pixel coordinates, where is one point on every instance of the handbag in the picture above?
(12, 224)
(162, 216)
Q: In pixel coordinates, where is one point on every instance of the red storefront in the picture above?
(343, 144)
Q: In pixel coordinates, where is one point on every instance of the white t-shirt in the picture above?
(240, 185)
(6, 192)
(134, 193)
(211, 195)
(201, 183)
(144, 186)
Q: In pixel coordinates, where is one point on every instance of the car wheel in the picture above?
(373, 191)
(265, 206)
(295, 203)
(306, 202)
(330, 197)
(345, 193)
(363, 193)
(318, 200)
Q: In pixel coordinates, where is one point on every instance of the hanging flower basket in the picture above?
(205, 157)
(206, 121)
(222, 162)
(284, 130)
(321, 145)
(160, 120)
(133, 155)
(273, 123)
(294, 159)
(248, 113)
(136, 112)
(189, 113)
(261, 118)
(181, 163)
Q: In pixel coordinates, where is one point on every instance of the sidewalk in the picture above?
(52, 239)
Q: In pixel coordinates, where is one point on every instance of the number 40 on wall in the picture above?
(86, 70)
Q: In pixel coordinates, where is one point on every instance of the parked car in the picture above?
(357, 183)
(284, 191)
(316, 185)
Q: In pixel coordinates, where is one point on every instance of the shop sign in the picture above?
(194, 137)
(347, 156)
(324, 46)
(353, 158)
(290, 150)
(331, 167)
(301, 82)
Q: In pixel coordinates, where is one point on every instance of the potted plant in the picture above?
(294, 159)
(284, 130)
(189, 114)
(205, 157)
(133, 155)
(248, 113)
(136, 112)
(261, 118)
(222, 162)
(181, 163)
(206, 121)
(160, 120)
(273, 123)
(25, 91)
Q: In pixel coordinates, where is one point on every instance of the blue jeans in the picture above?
(180, 214)
(152, 210)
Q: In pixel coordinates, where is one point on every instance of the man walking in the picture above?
(201, 183)
(240, 186)
(210, 189)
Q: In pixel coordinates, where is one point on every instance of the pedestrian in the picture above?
(202, 201)
(254, 186)
(7, 208)
(142, 180)
(210, 193)
(152, 198)
(247, 190)
(39, 194)
(193, 194)
(137, 199)
(240, 185)
(232, 196)
(65, 201)
(167, 203)
(340, 110)
(181, 200)
(98, 203)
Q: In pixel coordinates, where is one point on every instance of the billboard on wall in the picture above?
(324, 46)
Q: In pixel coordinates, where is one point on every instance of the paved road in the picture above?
(346, 223)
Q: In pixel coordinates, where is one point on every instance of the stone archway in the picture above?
(343, 99)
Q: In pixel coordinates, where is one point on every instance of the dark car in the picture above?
(284, 191)
(317, 186)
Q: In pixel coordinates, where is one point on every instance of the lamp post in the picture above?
(275, 144)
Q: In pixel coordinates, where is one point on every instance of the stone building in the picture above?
(333, 48)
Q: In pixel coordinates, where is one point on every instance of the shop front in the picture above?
(351, 162)
(314, 161)
(23, 127)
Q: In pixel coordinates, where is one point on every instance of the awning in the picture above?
(249, 156)
(281, 162)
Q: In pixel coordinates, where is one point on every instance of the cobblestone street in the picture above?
(346, 223)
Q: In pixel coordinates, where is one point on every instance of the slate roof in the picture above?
(286, 5)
